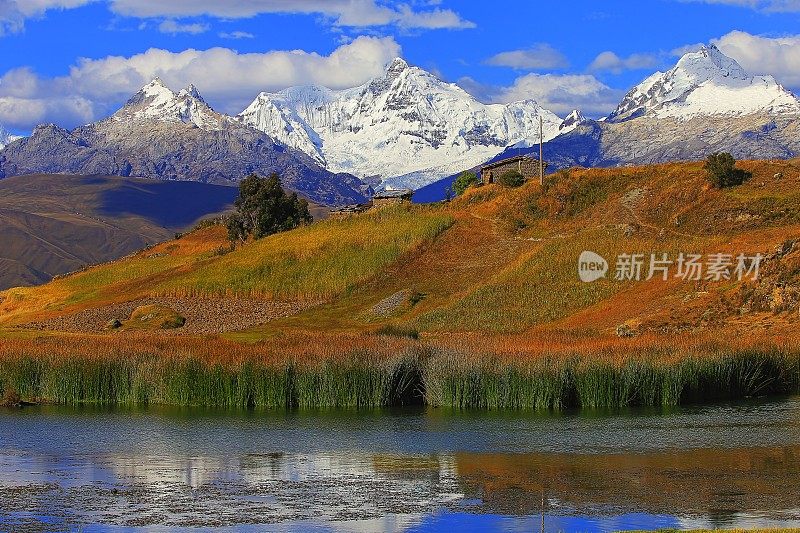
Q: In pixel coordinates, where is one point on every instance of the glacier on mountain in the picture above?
(404, 129)
(705, 83)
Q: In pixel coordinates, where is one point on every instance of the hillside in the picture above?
(499, 261)
(54, 224)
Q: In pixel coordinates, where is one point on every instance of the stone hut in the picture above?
(527, 166)
(347, 211)
(392, 197)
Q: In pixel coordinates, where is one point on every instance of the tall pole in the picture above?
(541, 151)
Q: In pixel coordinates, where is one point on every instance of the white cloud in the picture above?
(346, 13)
(172, 27)
(778, 56)
(434, 19)
(558, 93)
(773, 6)
(14, 12)
(24, 113)
(228, 80)
(609, 61)
(686, 49)
(539, 56)
(236, 35)
(352, 13)
(563, 93)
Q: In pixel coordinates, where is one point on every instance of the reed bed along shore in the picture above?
(368, 371)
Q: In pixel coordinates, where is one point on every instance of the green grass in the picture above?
(591, 383)
(418, 375)
(314, 262)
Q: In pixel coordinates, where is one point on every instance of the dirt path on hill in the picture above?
(203, 316)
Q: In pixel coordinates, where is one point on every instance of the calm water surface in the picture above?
(416, 470)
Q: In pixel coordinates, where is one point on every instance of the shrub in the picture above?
(464, 181)
(512, 178)
(722, 171)
(263, 208)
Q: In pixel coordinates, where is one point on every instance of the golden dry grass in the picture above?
(499, 261)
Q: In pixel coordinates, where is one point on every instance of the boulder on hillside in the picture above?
(148, 317)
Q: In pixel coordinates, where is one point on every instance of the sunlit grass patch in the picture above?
(542, 288)
(313, 262)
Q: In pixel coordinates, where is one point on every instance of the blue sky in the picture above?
(73, 61)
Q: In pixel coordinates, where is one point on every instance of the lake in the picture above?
(92, 469)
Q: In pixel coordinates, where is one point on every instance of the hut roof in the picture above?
(508, 160)
(394, 193)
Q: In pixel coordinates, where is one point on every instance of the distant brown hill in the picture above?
(54, 224)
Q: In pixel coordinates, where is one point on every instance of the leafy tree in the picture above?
(722, 171)
(512, 178)
(464, 181)
(264, 208)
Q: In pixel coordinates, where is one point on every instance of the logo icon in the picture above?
(591, 267)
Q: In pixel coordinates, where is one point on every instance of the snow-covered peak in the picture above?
(156, 90)
(708, 63)
(192, 91)
(406, 127)
(156, 101)
(281, 116)
(396, 66)
(703, 83)
(574, 119)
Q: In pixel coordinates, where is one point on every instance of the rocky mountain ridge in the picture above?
(174, 136)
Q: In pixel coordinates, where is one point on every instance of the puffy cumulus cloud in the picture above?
(537, 57)
(778, 56)
(351, 13)
(558, 93)
(14, 12)
(24, 113)
(609, 61)
(227, 79)
(172, 27)
(774, 6)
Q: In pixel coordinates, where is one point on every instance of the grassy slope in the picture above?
(495, 260)
(314, 262)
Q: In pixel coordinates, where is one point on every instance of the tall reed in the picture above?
(403, 372)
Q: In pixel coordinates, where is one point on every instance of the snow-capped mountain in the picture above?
(171, 135)
(155, 101)
(705, 83)
(706, 103)
(406, 128)
(574, 119)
